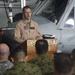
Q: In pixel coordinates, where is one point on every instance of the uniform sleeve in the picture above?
(34, 69)
(39, 35)
(18, 34)
(8, 72)
(37, 71)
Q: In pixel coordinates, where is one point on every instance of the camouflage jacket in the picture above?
(23, 68)
(4, 65)
(44, 62)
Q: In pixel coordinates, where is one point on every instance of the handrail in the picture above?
(41, 6)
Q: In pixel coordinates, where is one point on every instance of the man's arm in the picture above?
(39, 35)
(18, 34)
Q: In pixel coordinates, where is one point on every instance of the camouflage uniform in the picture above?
(4, 65)
(45, 63)
(23, 68)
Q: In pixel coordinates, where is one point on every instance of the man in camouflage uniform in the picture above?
(73, 56)
(42, 60)
(20, 65)
(4, 62)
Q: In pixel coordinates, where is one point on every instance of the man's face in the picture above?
(27, 13)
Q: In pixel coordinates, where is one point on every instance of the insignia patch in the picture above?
(25, 27)
(32, 27)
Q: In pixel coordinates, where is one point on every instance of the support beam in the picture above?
(23, 3)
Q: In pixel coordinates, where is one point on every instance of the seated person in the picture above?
(21, 67)
(42, 60)
(4, 62)
(73, 56)
(63, 64)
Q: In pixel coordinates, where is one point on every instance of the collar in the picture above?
(25, 21)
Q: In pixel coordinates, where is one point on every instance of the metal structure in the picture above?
(63, 31)
(23, 3)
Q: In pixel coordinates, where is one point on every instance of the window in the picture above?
(70, 20)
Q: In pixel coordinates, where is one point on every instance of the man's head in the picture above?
(4, 51)
(18, 54)
(27, 12)
(63, 64)
(41, 46)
